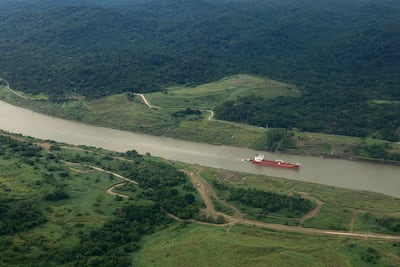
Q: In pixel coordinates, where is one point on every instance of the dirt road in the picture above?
(205, 191)
(111, 188)
(208, 195)
(145, 100)
(17, 93)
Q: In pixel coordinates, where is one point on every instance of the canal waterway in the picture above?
(367, 176)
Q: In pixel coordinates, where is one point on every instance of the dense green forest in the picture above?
(341, 54)
(353, 116)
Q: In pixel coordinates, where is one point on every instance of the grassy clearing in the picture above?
(382, 102)
(87, 207)
(257, 216)
(207, 96)
(330, 145)
(331, 217)
(199, 245)
(116, 111)
(215, 132)
(367, 220)
(122, 113)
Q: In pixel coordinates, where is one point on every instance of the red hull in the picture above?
(278, 164)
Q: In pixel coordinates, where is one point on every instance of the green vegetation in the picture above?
(377, 151)
(112, 244)
(340, 57)
(55, 211)
(210, 95)
(128, 112)
(340, 207)
(275, 139)
(316, 112)
(331, 217)
(82, 60)
(200, 245)
(383, 102)
(378, 222)
(19, 218)
(152, 48)
(271, 202)
(56, 195)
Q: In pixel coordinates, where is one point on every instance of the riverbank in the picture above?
(380, 178)
(131, 113)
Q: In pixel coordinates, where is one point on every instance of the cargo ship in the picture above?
(259, 159)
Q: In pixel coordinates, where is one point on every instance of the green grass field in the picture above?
(209, 95)
(200, 245)
(331, 217)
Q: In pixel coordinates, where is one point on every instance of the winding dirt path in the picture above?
(206, 192)
(211, 117)
(112, 173)
(145, 100)
(111, 188)
(208, 195)
(15, 92)
(313, 212)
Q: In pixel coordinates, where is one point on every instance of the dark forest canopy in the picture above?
(96, 48)
(329, 113)
(341, 52)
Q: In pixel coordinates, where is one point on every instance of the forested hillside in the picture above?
(94, 50)
(344, 52)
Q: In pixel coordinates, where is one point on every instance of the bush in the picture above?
(57, 195)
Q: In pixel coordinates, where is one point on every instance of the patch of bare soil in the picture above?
(313, 212)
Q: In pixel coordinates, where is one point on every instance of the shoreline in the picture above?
(202, 139)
